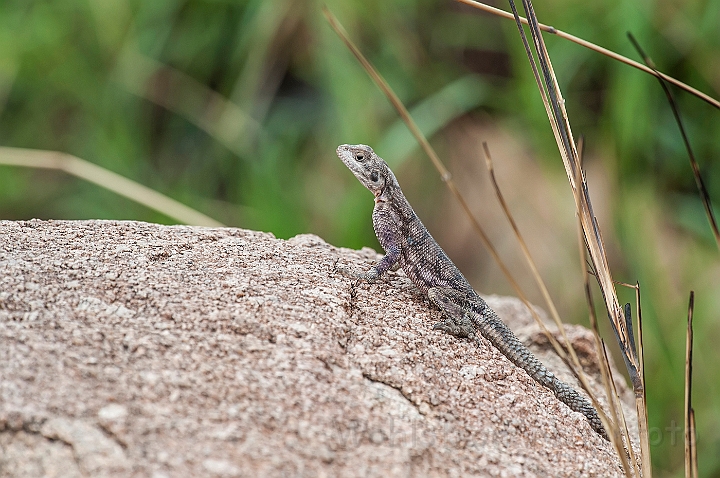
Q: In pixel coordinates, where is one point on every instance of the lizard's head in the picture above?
(370, 169)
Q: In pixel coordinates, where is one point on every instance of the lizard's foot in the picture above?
(354, 274)
(458, 322)
(462, 328)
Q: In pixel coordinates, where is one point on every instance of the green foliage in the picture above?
(235, 108)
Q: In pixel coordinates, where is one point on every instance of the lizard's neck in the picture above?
(392, 198)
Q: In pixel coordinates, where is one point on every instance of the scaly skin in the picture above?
(409, 245)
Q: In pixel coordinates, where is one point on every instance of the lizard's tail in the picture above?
(495, 330)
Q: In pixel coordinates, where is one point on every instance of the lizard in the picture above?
(408, 245)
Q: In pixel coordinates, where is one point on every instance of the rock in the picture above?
(138, 349)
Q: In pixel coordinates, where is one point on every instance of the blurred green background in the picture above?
(235, 109)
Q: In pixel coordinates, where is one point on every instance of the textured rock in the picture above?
(132, 348)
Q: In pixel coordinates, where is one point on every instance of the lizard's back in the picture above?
(422, 259)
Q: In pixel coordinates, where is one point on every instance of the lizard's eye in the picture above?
(374, 176)
(359, 156)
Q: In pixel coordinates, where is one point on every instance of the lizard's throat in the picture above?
(380, 197)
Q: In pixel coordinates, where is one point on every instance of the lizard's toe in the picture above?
(354, 274)
(450, 326)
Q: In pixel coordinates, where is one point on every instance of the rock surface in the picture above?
(138, 349)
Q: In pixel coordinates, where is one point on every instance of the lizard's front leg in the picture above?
(389, 262)
(458, 320)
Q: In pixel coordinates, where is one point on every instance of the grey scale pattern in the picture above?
(409, 245)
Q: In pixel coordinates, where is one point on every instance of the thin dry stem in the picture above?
(641, 395)
(592, 236)
(639, 386)
(109, 180)
(609, 53)
(693, 445)
(577, 369)
(690, 451)
(392, 97)
(615, 398)
(700, 184)
(620, 415)
(611, 426)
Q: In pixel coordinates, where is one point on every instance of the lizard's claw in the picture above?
(354, 274)
(462, 328)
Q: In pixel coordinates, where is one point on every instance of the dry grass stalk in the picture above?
(555, 108)
(609, 53)
(617, 411)
(575, 365)
(640, 398)
(640, 404)
(691, 466)
(604, 366)
(704, 195)
(693, 445)
(109, 180)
